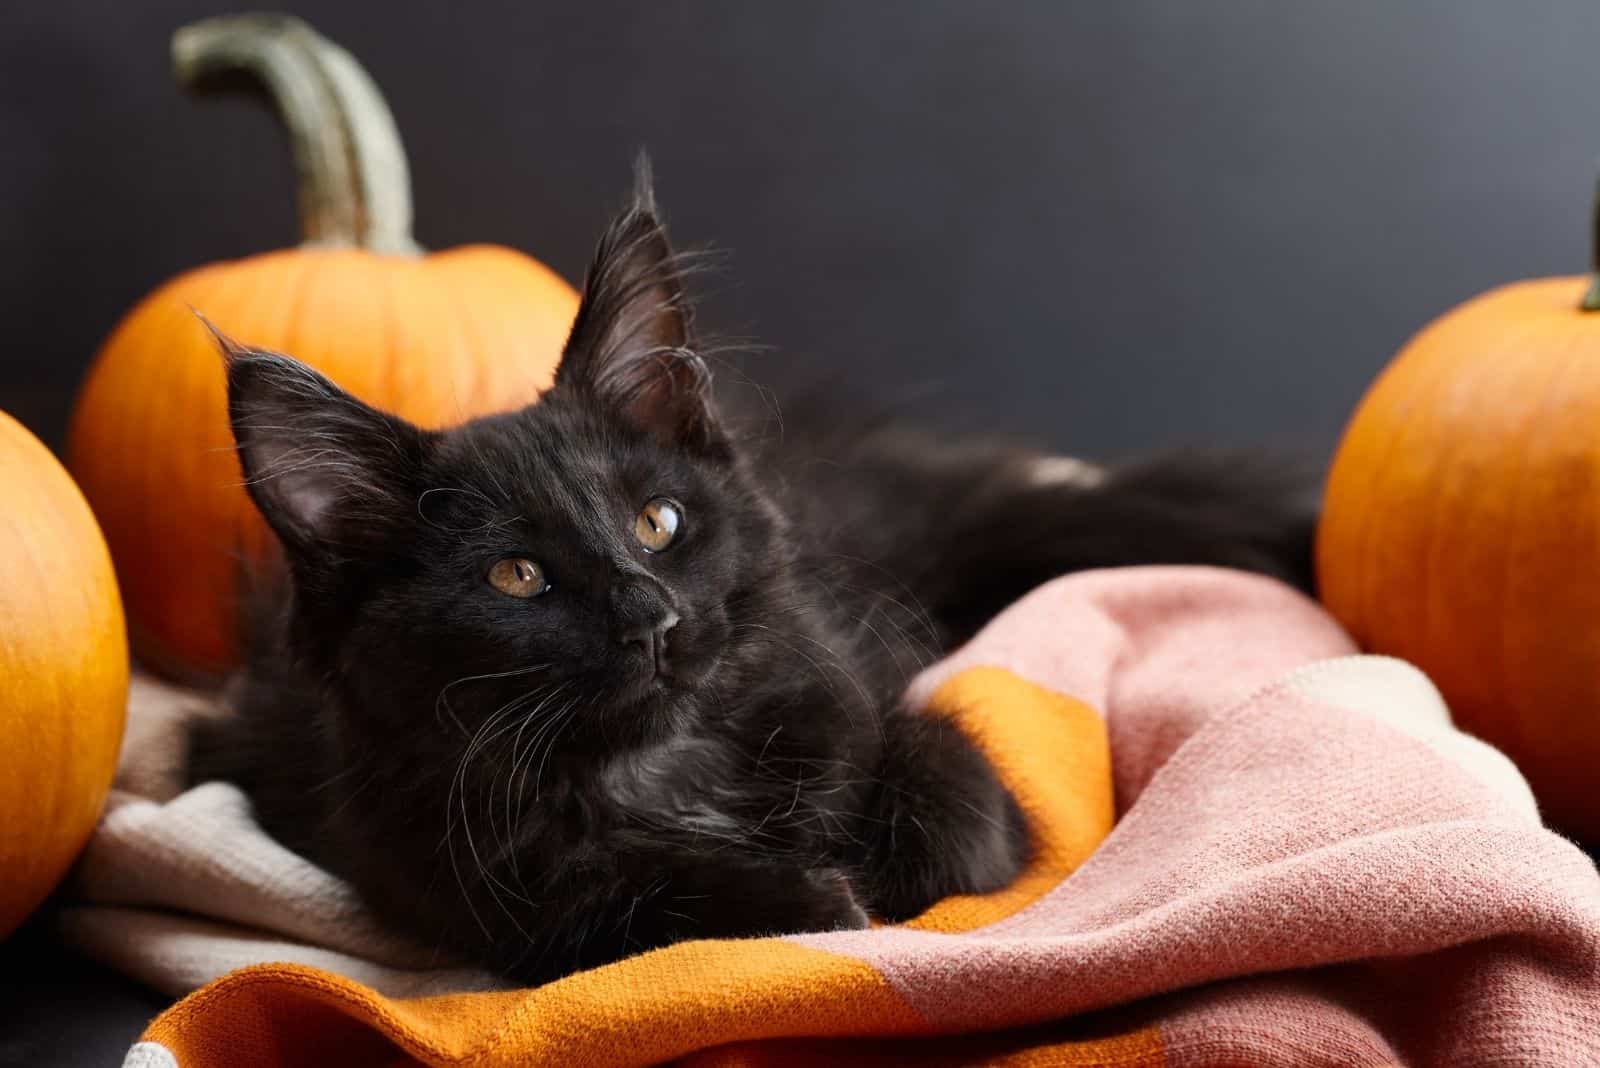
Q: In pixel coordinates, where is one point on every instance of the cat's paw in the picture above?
(831, 903)
(949, 827)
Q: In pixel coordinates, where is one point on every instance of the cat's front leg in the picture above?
(657, 900)
(941, 823)
(760, 899)
(716, 896)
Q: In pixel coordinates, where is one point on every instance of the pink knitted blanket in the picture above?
(1309, 865)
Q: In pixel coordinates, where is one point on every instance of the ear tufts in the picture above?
(632, 345)
(644, 185)
(229, 349)
(326, 470)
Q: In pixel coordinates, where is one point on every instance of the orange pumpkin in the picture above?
(63, 673)
(435, 338)
(1462, 527)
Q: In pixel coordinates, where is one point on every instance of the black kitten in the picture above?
(567, 683)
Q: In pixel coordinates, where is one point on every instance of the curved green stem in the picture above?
(1591, 299)
(354, 187)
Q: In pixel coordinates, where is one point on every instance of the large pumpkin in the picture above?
(436, 338)
(63, 673)
(1462, 527)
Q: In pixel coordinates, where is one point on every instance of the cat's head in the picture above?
(600, 556)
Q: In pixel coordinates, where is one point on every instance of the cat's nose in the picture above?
(652, 638)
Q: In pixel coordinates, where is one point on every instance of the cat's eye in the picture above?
(657, 524)
(517, 576)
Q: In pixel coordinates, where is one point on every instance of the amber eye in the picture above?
(518, 577)
(657, 524)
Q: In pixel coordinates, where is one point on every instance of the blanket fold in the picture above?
(1251, 846)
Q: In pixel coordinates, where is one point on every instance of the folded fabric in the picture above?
(1250, 847)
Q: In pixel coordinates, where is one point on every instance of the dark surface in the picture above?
(58, 1008)
(1103, 226)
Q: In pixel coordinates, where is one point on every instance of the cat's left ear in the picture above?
(330, 474)
(632, 345)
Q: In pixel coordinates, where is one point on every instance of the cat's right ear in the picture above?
(325, 469)
(632, 344)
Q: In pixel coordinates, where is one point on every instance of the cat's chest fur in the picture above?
(784, 768)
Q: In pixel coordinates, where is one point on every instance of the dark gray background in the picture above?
(1101, 225)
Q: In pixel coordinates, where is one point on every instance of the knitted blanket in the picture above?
(1251, 846)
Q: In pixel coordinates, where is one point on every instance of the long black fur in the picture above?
(519, 782)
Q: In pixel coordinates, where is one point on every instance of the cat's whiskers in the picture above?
(448, 841)
(517, 753)
(493, 727)
(550, 747)
(888, 649)
(775, 637)
(779, 638)
(442, 702)
(913, 646)
(519, 722)
(918, 611)
(556, 723)
(922, 651)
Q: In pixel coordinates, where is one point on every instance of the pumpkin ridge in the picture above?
(1426, 379)
(132, 481)
(468, 334)
(294, 312)
(1439, 532)
(1518, 740)
(387, 396)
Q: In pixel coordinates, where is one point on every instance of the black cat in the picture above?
(571, 682)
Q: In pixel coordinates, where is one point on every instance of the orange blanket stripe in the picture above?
(732, 1001)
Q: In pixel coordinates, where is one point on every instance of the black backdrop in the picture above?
(1101, 225)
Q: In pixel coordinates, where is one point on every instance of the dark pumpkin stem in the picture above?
(354, 187)
(1591, 299)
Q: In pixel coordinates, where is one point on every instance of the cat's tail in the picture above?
(1249, 509)
(1041, 517)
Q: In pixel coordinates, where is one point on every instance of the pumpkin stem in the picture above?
(1591, 299)
(354, 188)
